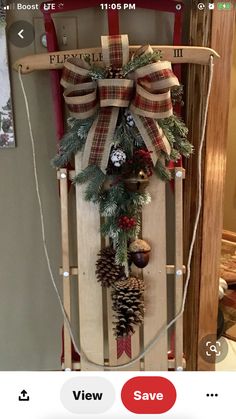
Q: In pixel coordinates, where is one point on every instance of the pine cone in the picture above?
(107, 271)
(128, 304)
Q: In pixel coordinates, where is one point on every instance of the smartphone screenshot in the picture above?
(117, 209)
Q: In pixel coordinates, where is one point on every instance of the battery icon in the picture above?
(224, 5)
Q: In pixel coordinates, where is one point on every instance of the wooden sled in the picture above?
(95, 308)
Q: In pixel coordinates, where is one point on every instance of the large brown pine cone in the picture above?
(128, 305)
(107, 271)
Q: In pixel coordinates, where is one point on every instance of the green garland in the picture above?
(120, 206)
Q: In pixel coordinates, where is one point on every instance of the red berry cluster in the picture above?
(144, 154)
(126, 223)
(143, 160)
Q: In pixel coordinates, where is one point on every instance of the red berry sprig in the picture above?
(126, 223)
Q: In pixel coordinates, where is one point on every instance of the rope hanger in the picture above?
(197, 55)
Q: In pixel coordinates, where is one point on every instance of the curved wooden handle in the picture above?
(56, 60)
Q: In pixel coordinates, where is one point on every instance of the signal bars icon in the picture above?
(9, 6)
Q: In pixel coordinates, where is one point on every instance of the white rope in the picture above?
(164, 328)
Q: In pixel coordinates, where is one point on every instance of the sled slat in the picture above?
(63, 174)
(90, 291)
(179, 174)
(154, 231)
(170, 270)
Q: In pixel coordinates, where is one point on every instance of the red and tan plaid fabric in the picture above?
(82, 100)
(115, 50)
(82, 108)
(155, 133)
(159, 80)
(115, 92)
(151, 100)
(151, 105)
(156, 76)
(75, 71)
(100, 136)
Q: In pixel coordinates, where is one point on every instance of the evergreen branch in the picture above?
(184, 147)
(141, 61)
(94, 188)
(162, 172)
(121, 247)
(70, 145)
(73, 141)
(174, 155)
(87, 174)
(167, 131)
(97, 72)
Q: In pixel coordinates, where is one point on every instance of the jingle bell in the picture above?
(137, 183)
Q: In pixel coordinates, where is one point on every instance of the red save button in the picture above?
(148, 395)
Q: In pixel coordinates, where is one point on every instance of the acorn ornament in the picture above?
(140, 253)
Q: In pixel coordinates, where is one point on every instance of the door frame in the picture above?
(215, 29)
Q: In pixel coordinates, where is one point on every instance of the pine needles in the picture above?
(141, 61)
(73, 141)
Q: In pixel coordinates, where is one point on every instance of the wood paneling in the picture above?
(200, 29)
(202, 304)
(215, 168)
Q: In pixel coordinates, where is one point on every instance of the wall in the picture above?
(30, 318)
(230, 182)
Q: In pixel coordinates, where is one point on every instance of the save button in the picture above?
(151, 395)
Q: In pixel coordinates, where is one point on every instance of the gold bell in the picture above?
(137, 183)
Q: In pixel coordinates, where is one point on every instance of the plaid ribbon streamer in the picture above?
(124, 346)
(115, 50)
(146, 92)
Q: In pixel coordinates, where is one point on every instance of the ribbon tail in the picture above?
(153, 136)
(99, 139)
(124, 346)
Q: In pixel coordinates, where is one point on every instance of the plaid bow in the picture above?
(146, 92)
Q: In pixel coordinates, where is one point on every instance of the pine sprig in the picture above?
(87, 174)
(162, 171)
(73, 141)
(141, 61)
(69, 146)
(94, 188)
(97, 73)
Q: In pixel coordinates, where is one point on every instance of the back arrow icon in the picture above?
(20, 33)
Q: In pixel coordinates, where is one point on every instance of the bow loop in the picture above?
(75, 71)
(151, 105)
(82, 100)
(156, 76)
